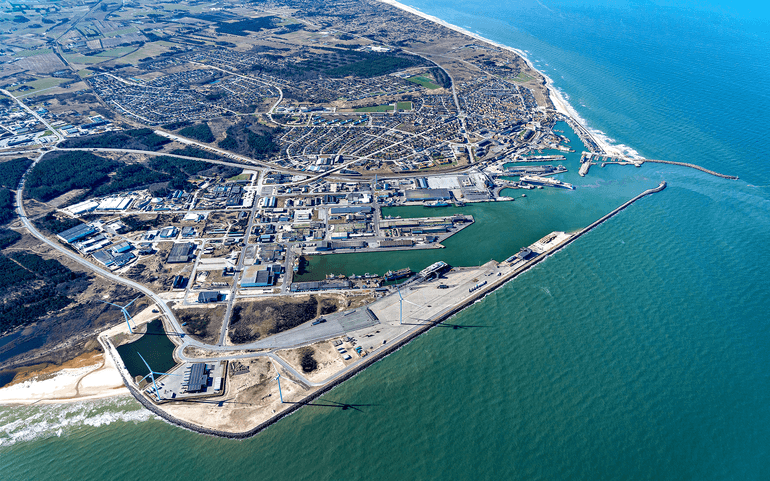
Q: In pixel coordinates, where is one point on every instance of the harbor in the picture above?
(418, 305)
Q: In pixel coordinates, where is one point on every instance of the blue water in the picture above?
(638, 352)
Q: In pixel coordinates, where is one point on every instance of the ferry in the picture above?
(537, 180)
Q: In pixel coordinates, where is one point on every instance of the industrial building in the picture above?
(209, 296)
(181, 252)
(416, 195)
(255, 277)
(195, 378)
(76, 233)
(332, 284)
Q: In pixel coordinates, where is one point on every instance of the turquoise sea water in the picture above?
(638, 352)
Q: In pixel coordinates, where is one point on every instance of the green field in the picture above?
(404, 105)
(522, 77)
(379, 108)
(116, 52)
(40, 84)
(152, 49)
(240, 177)
(32, 53)
(424, 81)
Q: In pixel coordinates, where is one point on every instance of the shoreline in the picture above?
(63, 384)
(557, 98)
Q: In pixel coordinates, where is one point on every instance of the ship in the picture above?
(399, 274)
(537, 180)
(438, 203)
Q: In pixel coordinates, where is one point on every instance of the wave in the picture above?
(30, 423)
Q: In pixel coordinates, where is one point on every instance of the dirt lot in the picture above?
(256, 319)
(329, 360)
(203, 323)
(253, 320)
(251, 397)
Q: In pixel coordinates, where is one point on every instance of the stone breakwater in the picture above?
(693, 166)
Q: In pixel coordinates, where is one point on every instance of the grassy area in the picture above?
(116, 52)
(84, 73)
(32, 53)
(287, 21)
(522, 77)
(148, 50)
(378, 108)
(40, 84)
(424, 81)
(240, 177)
(404, 105)
(84, 59)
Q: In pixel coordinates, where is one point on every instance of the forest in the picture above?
(12, 170)
(136, 139)
(61, 172)
(38, 286)
(241, 139)
(199, 132)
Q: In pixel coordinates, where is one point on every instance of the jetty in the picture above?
(592, 158)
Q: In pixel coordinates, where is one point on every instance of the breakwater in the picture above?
(693, 166)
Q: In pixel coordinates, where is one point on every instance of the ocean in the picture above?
(638, 352)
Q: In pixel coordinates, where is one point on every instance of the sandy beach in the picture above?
(559, 102)
(91, 376)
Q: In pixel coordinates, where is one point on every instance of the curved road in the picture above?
(186, 340)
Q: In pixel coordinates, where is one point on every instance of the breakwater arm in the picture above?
(693, 166)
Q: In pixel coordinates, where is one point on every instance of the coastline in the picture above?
(65, 384)
(557, 98)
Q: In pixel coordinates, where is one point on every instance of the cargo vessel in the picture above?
(537, 180)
